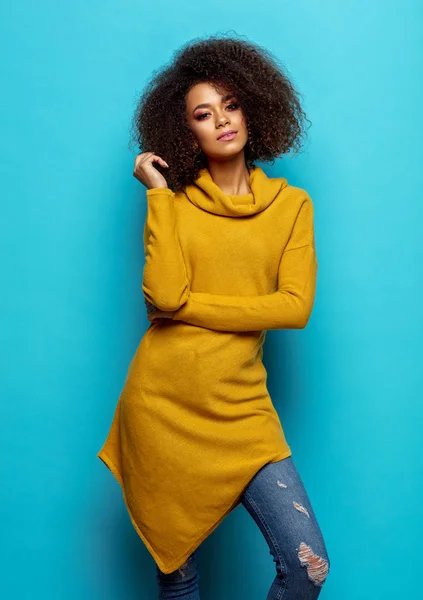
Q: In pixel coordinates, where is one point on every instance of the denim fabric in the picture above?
(278, 502)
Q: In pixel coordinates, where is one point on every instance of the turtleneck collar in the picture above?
(205, 194)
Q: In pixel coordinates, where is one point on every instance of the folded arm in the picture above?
(165, 282)
(289, 307)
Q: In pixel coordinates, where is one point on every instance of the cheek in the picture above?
(242, 121)
(205, 131)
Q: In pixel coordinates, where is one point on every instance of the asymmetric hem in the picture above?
(172, 566)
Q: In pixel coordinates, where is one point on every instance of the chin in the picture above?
(226, 148)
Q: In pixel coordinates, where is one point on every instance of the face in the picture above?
(211, 112)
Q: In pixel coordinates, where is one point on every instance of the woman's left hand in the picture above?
(154, 313)
(159, 315)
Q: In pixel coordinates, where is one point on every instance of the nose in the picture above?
(222, 120)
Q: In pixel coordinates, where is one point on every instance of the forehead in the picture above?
(205, 92)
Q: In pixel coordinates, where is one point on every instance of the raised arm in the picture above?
(289, 307)
(165, 282)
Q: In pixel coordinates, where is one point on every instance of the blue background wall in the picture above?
(348, 388)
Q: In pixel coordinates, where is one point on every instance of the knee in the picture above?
(182, 570)
(317, 566)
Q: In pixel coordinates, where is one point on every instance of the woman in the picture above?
(229, 254)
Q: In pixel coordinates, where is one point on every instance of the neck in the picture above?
(231, 176)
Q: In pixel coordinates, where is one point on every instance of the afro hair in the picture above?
(267, 97)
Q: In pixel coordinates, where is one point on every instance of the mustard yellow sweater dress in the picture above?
(194, 421)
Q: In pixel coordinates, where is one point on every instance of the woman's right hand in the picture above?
(145, 171)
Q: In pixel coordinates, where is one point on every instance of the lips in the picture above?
(226, 133)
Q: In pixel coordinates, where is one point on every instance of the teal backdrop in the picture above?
(348, 388)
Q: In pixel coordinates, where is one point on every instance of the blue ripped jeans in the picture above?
(278, 502)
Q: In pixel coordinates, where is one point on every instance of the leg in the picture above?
(278, 502)
(182, 583)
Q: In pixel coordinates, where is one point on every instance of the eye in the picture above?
(234, 105)
(200, 117)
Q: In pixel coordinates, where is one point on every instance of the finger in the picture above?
(158, 320)
(143, 156)
(159, 159)
(151, 308)
(140, 159)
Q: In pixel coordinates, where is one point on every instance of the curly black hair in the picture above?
(271, 105)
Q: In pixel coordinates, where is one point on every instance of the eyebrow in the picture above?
(206, 105)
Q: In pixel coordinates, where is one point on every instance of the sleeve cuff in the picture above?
(159, 191)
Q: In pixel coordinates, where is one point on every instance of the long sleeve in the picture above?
(165, 282)
(289, 307)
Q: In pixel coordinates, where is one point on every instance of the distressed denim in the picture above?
(278, 502)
